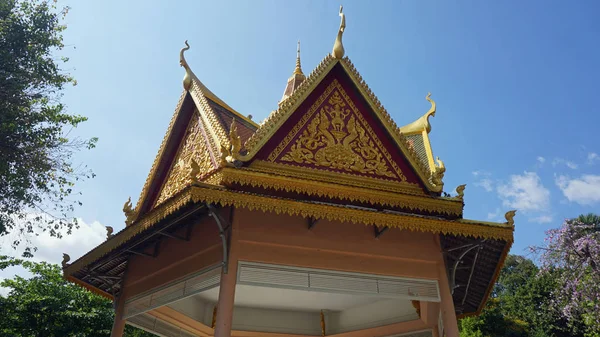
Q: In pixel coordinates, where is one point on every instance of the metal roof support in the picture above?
(379, 232)
(312, 222)
(471, 273)
(469, 247)
(212, 211)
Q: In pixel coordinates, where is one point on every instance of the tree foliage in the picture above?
(572, 254)
(520, 305)
(48, 305)
(37, 176)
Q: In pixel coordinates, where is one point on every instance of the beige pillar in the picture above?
(447, 305)
(227, 287)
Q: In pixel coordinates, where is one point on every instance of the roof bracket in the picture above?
(467, 248)
(173, 236)
(223, 233)
(312, 222)
(379, 232)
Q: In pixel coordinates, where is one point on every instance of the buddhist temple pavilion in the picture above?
(326, 219)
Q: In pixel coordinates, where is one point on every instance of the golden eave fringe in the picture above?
(321, 189)
(223, 197)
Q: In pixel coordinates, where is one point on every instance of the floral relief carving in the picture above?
(338, 138)
(193, 158)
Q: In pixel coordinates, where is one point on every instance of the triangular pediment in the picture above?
(192, 161)
(334, 134)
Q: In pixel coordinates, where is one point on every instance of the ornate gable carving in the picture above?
(192, 162)
(333, 135)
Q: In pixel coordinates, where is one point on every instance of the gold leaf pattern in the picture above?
(337, 137)
(193, 149)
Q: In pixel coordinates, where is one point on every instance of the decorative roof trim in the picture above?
(190, 77)
(161, 150)
(253, 178)
(316, 210)
(274, 121)
(410, 153)
(279, 116)
(342, 178)
(422, 123)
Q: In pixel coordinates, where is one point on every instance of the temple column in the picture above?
(227, 287)
(447, 305)
(119, 322)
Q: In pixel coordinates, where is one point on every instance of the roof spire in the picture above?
(296, 79)
(298, 69)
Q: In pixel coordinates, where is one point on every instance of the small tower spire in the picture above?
(296, 79)
(298, 69)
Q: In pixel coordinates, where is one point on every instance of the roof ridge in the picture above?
(275, 117)
(401, 139)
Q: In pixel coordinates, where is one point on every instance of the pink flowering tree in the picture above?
(572, 253)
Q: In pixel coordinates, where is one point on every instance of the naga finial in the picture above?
(338, 47)
(461, 191)
(431, 112)
(109, 232)
(65, 260)
(231, 154)
(509, 216)
(187, 78)
(423, 122)
(438, 174)
(128, 211)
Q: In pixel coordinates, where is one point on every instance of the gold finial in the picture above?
(461, 191)
(128, 211)
(338, 47)
(509, 216)
(66, 259)
(298, 69)
(322, 323)
(438, 174)
(109, 232)
(423, 122)
(187, 78)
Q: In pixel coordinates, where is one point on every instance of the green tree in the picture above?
(48, 305)
(37, 176)
(520, 305)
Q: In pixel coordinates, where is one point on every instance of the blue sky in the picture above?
(514, 82)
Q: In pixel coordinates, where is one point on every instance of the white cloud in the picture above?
(481, 173)
(571, 165)
(541, 159)
(50, 249)
(493, 215)
(584, 190)
(484, 181)
(542, 219)
(525, 193)
(568, 163)
(592, 158)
